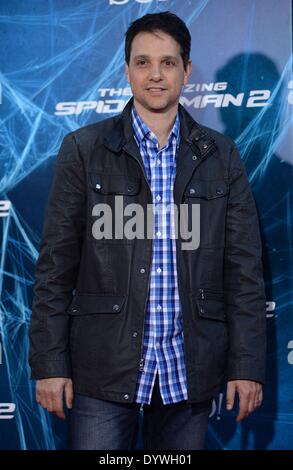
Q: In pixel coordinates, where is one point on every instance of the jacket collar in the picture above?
(190, 131)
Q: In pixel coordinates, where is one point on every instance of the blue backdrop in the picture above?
(62, 67)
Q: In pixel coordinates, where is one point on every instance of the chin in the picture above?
(158, 105)
(154, 104)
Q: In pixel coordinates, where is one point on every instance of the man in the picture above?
(121, 323)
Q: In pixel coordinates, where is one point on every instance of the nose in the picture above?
(155, 73)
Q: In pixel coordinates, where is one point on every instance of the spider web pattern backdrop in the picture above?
(62, 67)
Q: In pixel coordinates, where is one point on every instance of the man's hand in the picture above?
(250, 396)
(49, 394)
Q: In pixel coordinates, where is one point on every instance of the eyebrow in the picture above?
(144, 56)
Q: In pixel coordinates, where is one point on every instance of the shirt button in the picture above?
(142, 270)
(158, 197)
(159, 308)
(159, 270)
(158, 345)
(159, 233)
(126, 396)
(159, 162)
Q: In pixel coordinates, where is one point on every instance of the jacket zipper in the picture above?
(141, 360)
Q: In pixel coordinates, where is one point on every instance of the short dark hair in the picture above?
(164, 21)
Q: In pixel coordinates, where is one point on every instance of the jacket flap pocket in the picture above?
(104, 183)
(206, 189)
(84, 304)
(213, 309)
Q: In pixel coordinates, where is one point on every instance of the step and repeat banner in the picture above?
(62, 67)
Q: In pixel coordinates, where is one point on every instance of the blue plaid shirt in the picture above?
(163, 331)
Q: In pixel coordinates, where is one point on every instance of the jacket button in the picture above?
(219, 191)
(142, 270)
(115, 307)
(130, 188)
(192, 191)
(134, 334)
(74, 309)
(98, 186)
(196, 139)
(126, 396)
(194, 157)
(205, 146)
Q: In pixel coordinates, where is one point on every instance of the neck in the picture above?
(160, 123)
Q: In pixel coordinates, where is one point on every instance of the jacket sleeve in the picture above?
(244, 290)
(57, 265)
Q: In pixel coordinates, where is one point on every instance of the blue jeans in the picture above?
(105, 425)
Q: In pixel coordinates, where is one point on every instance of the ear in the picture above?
(127, 72)
(187, 72)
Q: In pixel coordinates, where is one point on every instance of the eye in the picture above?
(141, 62)
(169, 63)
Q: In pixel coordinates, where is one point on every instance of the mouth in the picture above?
(156, 90)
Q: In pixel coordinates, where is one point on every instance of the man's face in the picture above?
(155, 72)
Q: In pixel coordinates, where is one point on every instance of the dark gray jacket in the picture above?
(90, 295)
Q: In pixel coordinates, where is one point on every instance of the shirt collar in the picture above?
(142, 131)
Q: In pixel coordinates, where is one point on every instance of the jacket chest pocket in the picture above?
(109, 184)
(199, 190)
(109, 204)
(211, 196)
